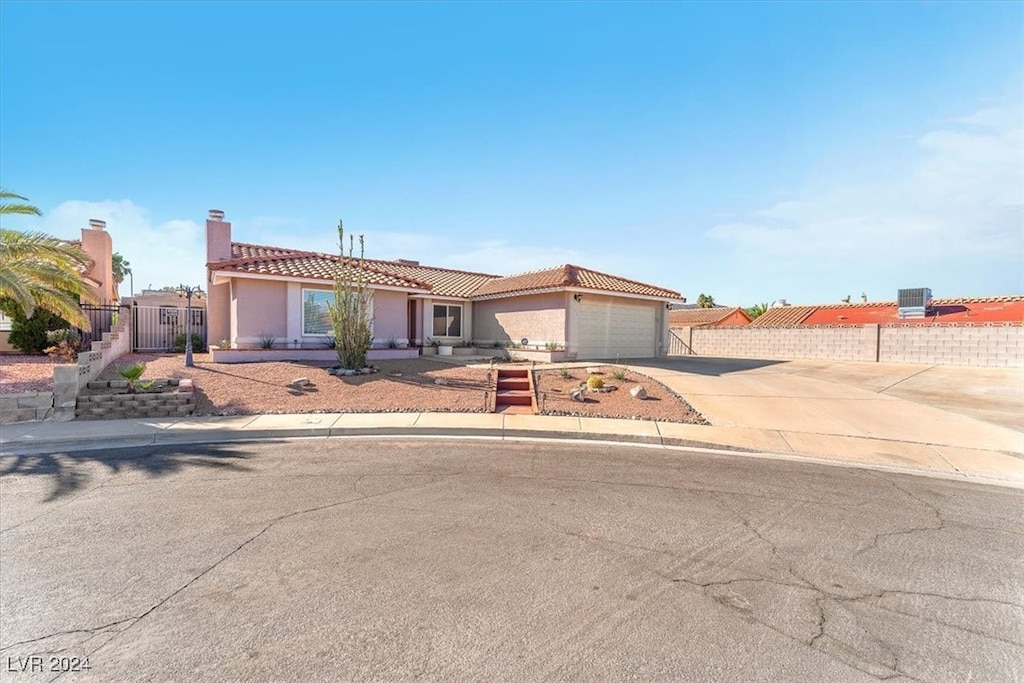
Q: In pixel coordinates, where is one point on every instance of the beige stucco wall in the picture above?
(390, 315)
(259, 307)
(539, 318)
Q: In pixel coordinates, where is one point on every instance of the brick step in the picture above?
(514, 410)
(514, 383)
(515, 398)
(515, 372)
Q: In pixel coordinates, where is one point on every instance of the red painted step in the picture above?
(514, 392)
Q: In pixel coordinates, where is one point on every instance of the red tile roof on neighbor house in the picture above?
(783, 316)
(570, 276)
(265, 260)
(702, 317)
(977, 310)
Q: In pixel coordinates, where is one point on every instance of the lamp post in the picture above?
(187, 292)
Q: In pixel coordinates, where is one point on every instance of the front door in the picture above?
(412, 322)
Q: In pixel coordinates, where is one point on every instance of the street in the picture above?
(477, 559)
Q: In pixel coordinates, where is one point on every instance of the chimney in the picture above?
(97, 245)
(218, 237)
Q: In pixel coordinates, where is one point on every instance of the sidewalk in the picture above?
(938, 458)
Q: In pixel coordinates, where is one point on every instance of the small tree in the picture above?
(350, 312)
(705, 301)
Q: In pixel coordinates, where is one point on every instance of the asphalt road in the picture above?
(385, 559)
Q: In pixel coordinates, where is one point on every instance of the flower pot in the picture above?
(444, 350)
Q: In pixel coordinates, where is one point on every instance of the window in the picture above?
(316, 312)
(168, 315)
(447, 321)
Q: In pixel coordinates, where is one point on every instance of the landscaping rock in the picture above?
(299, 382)
(577, 395)
(638, 392)
(441, 380)
(594, 371)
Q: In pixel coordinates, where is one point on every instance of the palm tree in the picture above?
(757, 310)
(120, 267)
(705, 301)
(40, 271)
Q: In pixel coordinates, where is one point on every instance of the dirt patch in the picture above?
(26, 373)
(261, 388)
(661, 403)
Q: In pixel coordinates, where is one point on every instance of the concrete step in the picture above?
(515, 398)
(514, 410)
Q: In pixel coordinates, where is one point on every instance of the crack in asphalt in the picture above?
(133, 620)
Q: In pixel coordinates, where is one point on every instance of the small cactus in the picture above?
(595, 382)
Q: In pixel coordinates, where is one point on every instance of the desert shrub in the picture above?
(595, 382)
(267, 341)
(132, 375)
(64, 344)
(619, 375)
(28, 335)
(198, 343)
(564, 374)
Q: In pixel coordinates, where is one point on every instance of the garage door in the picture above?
(616, 330)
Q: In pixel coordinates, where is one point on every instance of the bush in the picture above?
(28, 335)
(198, 343)
(64, 344)
(619, 375)
(595, 382)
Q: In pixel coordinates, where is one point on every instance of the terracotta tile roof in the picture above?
(443, 281)
(698, 317)
(570, 276)
(266, 260)
(306, 264)
(783, 316)
(962, 310)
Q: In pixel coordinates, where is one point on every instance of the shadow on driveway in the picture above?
(701, 365)
(71, 471)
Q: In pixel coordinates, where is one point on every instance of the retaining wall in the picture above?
(996, 345)
(70, 380)
(25, 406)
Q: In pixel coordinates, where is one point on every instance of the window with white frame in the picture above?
(316, 312)
(447, 320)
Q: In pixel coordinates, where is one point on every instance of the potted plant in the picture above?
(430, 346)
(445, 348)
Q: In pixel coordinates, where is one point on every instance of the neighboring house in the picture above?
(98, 277)
(160, 318)
(719, 316)
(977, 310)
(259, 291)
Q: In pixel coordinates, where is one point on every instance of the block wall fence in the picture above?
(996, 345)
(69, 380)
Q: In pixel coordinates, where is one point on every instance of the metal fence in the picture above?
(677, 346)
(162, 328)
(102, 318)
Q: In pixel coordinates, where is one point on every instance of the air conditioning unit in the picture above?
(913, 303)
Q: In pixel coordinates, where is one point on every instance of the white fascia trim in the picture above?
(459, 299)
(221, 275)
(581, 290)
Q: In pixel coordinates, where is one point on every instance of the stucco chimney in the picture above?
(97, 245)
(218, 237)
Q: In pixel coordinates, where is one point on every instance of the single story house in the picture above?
(257, 293)
(716, 316)
(963, 311)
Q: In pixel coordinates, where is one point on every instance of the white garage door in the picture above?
(616, 330)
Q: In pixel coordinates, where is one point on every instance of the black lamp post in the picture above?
(187, 292)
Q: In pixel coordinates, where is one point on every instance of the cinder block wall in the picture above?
(987, 346)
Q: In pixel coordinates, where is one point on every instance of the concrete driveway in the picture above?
(961, 407)
(353, 559)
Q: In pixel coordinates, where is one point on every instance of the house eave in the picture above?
(576, 290)
(218, 277)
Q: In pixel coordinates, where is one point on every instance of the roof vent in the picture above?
(780, 302)
(913, 303)
(407, 262)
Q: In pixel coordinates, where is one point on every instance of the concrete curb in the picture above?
(163, 435)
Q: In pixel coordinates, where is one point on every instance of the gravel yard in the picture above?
(26, 373)
(257, 388)
(661, 404)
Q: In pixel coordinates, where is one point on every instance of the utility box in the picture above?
(913, 303)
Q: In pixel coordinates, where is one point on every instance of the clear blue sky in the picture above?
(751, 151)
